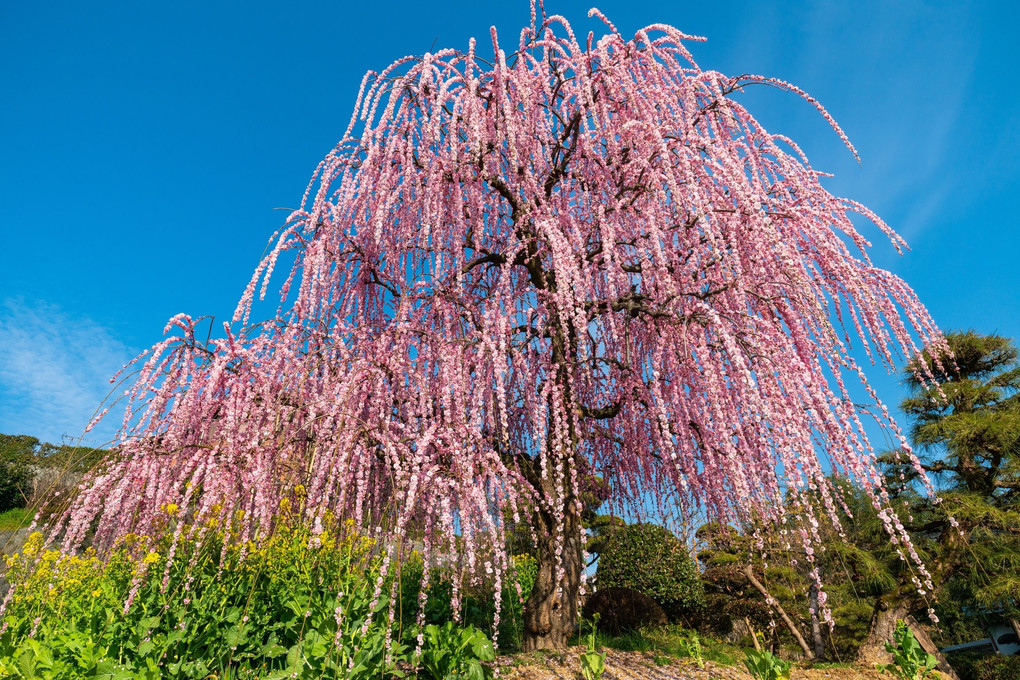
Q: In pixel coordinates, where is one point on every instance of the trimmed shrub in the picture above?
(623, 609)
(651, 560)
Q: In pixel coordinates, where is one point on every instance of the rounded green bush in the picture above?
(649, 559)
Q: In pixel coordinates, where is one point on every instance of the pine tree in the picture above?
(967, 427)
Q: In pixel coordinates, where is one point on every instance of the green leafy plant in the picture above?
(297, 605)
(593, 662)
(477, 604)
(690, 647)
(910, 662)
(454, 653)
(766, 666)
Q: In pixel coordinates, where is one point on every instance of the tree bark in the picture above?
(774, 603)
(883, 625)
(880, 631)
(550, 614)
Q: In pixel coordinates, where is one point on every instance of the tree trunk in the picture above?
(550, 614)
(816, 626)
(883, 625)
(774, 603)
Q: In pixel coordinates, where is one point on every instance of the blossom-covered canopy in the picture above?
(512, 273)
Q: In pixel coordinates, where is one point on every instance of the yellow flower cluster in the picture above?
(48, 582)
(46, 579)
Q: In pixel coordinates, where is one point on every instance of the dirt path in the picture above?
(643, 666)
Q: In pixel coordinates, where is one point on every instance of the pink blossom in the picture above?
(515, 271)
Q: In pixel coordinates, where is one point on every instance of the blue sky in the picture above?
(145, 149)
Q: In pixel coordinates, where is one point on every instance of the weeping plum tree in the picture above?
(570, 258)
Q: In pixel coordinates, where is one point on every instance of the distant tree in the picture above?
(744, 589)
(972, 435)
(21, 447)
(729, 597)
(966, 424)
(26, 462)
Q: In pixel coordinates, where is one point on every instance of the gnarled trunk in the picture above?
(550, 614)
(883, 625)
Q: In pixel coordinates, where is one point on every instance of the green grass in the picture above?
(16, 518)
(671, 642)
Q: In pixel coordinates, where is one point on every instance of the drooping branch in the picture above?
(515, 268)
(774, 604)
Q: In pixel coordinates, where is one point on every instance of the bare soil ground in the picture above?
(648, 666)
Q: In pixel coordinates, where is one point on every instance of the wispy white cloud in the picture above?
(54, 371)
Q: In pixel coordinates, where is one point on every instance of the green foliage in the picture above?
(20, 447)
(910, 661)
(998, 667)
(30, 450)
(15, 484)
(978, 419)
(651, 560)
(765, 666)
(729, 595)
(280, 609)
(968, 428)
(453, 653)
(477, 603)
(20, 454)
(673, 641)
(967, 432)
(593, 662)
(984, 666)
